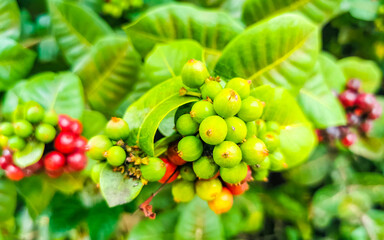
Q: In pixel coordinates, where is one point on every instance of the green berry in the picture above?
(98, 146)
(254, 151)
(183, 191)
(227, 103)
(96, 172)
(116, 156)
(117, 129)
(16, 143)
(261, 127)
(251, 109)
(154, 170)
(23, 128)
(190, 148)
(208, 189)
(241, 86)
(194, 73)
(235, 174)
(266, 164)
(277, 161)
(18, 113)
(236, 129)
(201, 110)
(260, 175)
(271, 140)
(33, 112)
(45, 133)
(273, 126)
(187, 173)
(6, 129)
(51, 118)
(3, 141)
(210, 89)
(213, 130)
(186, 126)
(205, 168)
(251, 129)
(227, 154)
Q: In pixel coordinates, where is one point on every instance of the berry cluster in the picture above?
(361, 109)
(31, 123)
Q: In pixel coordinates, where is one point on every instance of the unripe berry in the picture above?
(227, 103)
(201, 110)
(16, 143)
(34, 112)
(183, 191)
(208, 189)
(97, 146)
(96, 172)
(171, 170)
(348, 98)
(261, 175)
(117, 129)
(210, 89)
(222, 203)
(235, 174)
(45, 132)
(265, 164)
(3, 141)
(23, 128)
(277, 160)
(236, 129)
(65, 142)
(76, 161)
(54, 161)
(227, 154)
(187, 173)
(154, 170)
(271, 140)
(116, 156)
(273, 126)
(261, 127)
(251, 109)
(254, 151)
(190, 148)
(6, 129)
(173, 156)
(205, 168)
(51, 117)
(241, 86)
(14, 173)
(186, 126)
(213, 130)
(194, 73)
(251, 129)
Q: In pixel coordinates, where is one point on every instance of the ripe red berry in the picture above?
(348, 98)
(54, 161)
(349, 139)
(170, 168)
(14, 173)
(28, 171)
(173, 156)
(237, 189)
(365, 102)
(81, 143)
(354, 85)
(366, 126)
(76, 161)
(65, 123)
(353, 119)
(376, 112)
(54, 174)
(76, 127)
(65, 142)
(5, 161)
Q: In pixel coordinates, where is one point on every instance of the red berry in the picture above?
(376, 112)
(7, 152)
(81, 143)
(353, 119)
(237, 189)
(54, 174)
(76, 161)
(54, 161)
(349, 139)
(354, 85)
(173, 156)
(28, 171)
(65, 123)
(14, 173)
(319, 134)
(5, 161)
(348, 98)
(249, 175)
(365, 102)
(170, 168)
(76, 127)
(65, 142)
(366, 126)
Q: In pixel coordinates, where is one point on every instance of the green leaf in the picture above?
(332, 73)
(102, 221)
(108, 72)
(319, 103)
(76, 28)
(197, 221)
(161, 146)
(15, 62)
(66, 183)
(317, 11)
(378, 124)
(118, 189)
(9, 19)
(370, 148)
(166, 61)
(152, 121)
(31, 154)
(297, 137)
(366, 71)
(370, 183)
(8, 199)
(93, 123)
(137, 111)
(212, 29)
(279, 52)
(11, 99)
(363, 9)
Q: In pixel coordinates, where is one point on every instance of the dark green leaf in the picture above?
(9, 19)
(31, 154)
(93, 123)
(102, 221)
(8, 199)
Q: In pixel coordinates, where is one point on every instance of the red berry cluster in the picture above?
(69, 154)
(361, 109)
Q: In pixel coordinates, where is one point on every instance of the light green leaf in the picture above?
(8, 199)
(31, 154)
(366, 71)
(366, 10)
(332, 73)
(76, 28)
(109, 72)
(67, 183)
(279, 52)
(9, 19)
(317, 11)
(370, 148)
(15, 62)
(370, 183)
(93, 123)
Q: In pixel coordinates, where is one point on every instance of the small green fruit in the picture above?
(51, 118)
(6, 129)
(205, 168)
(213, 130)
(18, 113)
(45, 133)
(187, 173)
(117, 129)
(235, 174)
(96, 171)
(16, 143)
(251, 109)
(183, 191)
(23, 128)
(186, 126)
(34, 112)
(210, 89)
(208, 189)
(190, 148)
(273, 126)
(254, 151)
(241, 86)
(227, 154)
(251, 129)
(277, 161)
(194, 73)
(227, 103)
(236, 129)
(260, 175)
(3, 141)
(201, 110)
(98, 146)
(154, 170)
(271, 140)
(265, 164)
(116, 156)
(261, 127)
